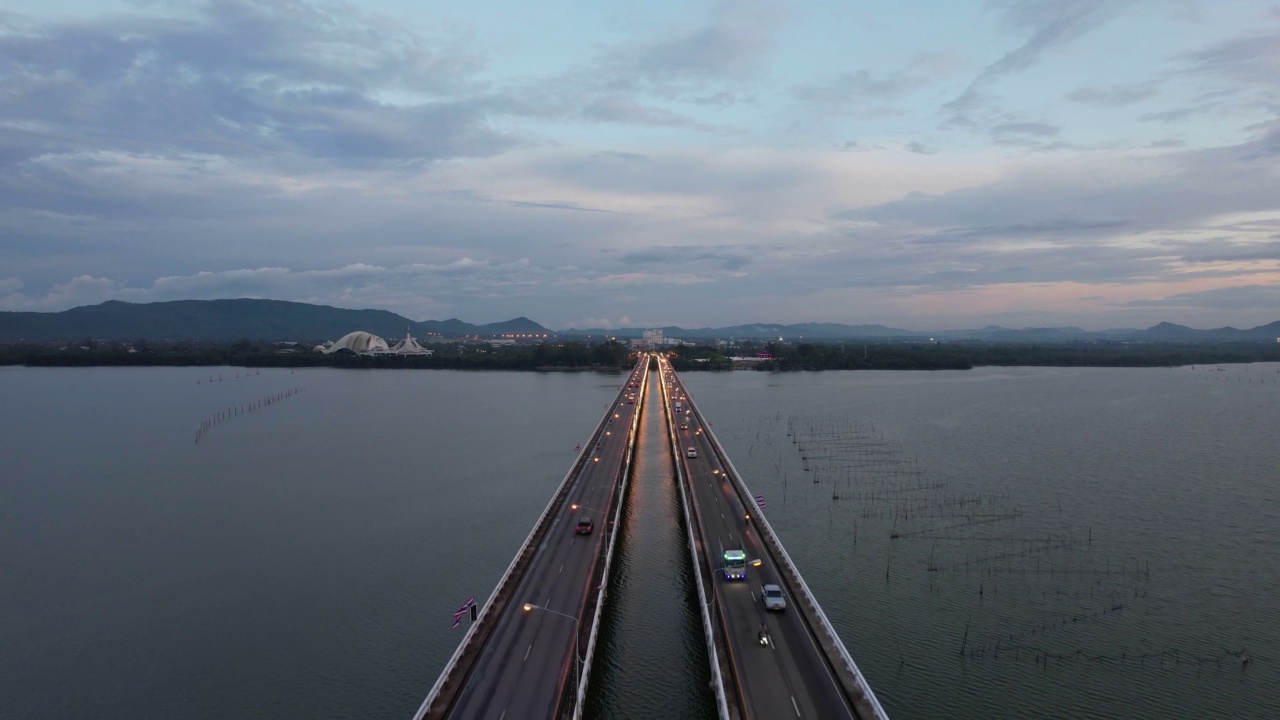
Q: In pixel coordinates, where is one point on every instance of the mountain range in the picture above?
(1164, 332)
(225, 320)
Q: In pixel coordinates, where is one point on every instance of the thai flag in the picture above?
(462, 612)
(760, 501)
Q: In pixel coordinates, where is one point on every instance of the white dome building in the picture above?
(409, 346)
(360, 343)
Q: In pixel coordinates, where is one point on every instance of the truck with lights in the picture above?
(735, 564)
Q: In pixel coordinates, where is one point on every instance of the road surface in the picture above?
(790, 676)
(528, 663)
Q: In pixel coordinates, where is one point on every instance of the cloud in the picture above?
(273, 83)
(623, 110)
(317, 153)
(860, 88)
(634, 279)
(1235, 78)
(733, 257)
(1239, 253)
(1114, 95)
(355, 285)
(1022, 133)
(722, 99)
(1058, 227)
(1089, 220)
(564, 205)
(82, 290)
(714, 62)
(1051, 24)
(1169, 191)
(1252, 59)
(1243, 297)
(603, 322)
(737, 37)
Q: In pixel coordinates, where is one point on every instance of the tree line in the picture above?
(612, 354)
(963, 356)
(249, 353)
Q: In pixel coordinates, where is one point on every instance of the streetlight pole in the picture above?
(577, 673)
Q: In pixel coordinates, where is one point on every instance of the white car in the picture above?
(773, 597)
(692, 452)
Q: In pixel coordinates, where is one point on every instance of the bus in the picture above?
(735, 565)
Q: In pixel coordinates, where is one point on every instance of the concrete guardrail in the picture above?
(471, 643)
(859, 690)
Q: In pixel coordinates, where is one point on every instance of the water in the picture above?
(1158, 487)
(304, 559)
(654, 660)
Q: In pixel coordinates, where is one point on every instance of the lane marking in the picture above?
(503, 715)
(794, 705)
(561, 569)
(526, 654)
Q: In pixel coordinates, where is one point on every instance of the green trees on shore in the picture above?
(612, 354)
(962, 356)
(248, 353)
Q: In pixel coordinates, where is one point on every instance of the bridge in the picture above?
(530, 651)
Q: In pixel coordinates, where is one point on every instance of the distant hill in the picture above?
(820, 332)
(224, 320)
(758, 331)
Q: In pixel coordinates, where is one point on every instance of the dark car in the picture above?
(584, 526)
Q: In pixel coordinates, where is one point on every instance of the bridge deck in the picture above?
(519, 662)
(527, 654)
(803, 671)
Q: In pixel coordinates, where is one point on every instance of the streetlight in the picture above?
(530, 607)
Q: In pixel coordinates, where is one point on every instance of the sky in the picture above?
(922, 164)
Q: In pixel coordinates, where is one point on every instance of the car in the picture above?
(773, 597)
(631, 401)
(684, 426)
(584, 526)
(692, 452)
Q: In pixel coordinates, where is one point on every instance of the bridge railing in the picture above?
(441, 695)
(619, 498)
(856, 685)
(691, 527)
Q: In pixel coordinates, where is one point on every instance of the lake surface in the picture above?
(1108, 537)
(1157, 489)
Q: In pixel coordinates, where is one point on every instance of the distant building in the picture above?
(364, 343)
(524, 338)
(653, 339)
(637, 343)
(409, 346)
(359, 342)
